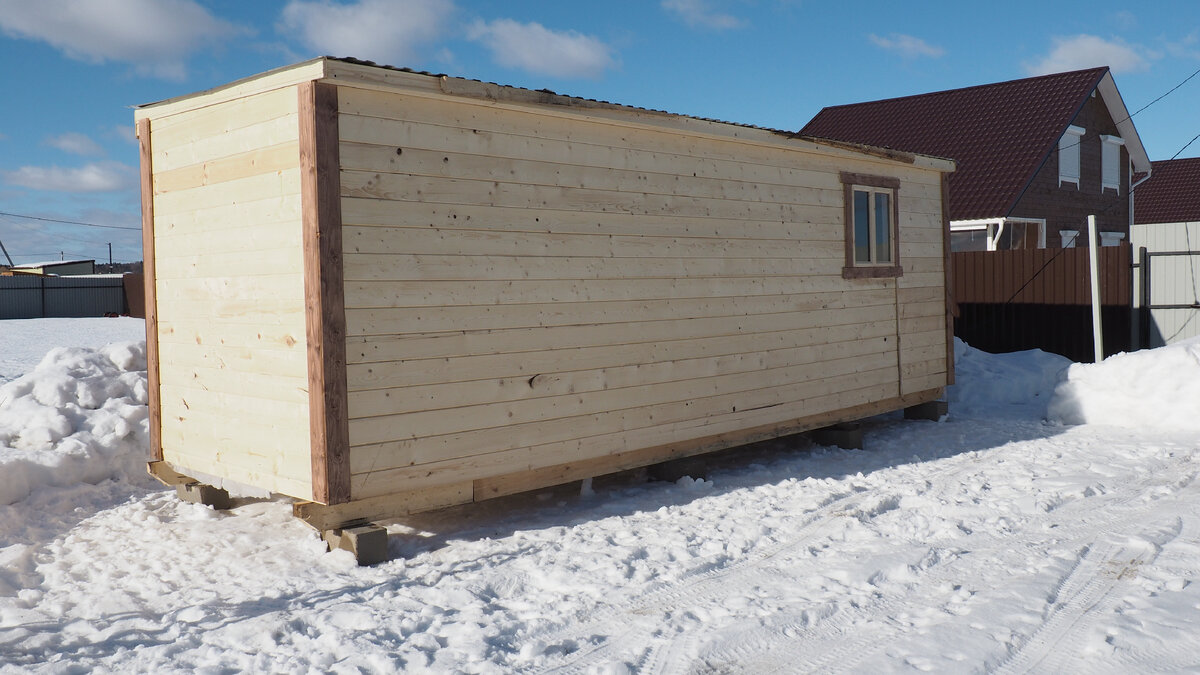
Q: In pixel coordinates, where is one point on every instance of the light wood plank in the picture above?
(247, 164)
(381, 295)
(377, 240)
(817, 223)
(262, 134)
(434, 319)
(510, 377)
(368, 267)
(580, 394)
(419, 371)
(408, 188)
(276, 184)
(630, 438)
(426, 449)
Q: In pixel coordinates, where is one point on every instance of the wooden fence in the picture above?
(1041, 299)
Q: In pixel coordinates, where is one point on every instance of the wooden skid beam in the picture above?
(167, 475)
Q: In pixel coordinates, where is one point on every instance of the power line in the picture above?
(69, 222)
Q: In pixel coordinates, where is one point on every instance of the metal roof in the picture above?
(1172, 195)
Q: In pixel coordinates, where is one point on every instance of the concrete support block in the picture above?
(367, 542)
(932, 411)
(848, 436)
(199, 493)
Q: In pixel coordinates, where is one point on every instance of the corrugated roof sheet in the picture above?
(1172, 195)
(998, 134)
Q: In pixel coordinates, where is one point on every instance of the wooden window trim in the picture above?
(855, 270)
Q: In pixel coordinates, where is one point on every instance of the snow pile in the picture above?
(79, 417)
(1156, 388)
(23, 342)
(1003, 386)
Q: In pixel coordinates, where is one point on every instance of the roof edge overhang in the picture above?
(1120, 114)
(355, 73)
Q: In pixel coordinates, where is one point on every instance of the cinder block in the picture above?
(848, 436)
(199, 493)
(932, 411)
(367, 542)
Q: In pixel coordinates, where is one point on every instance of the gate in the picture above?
(1169, 302)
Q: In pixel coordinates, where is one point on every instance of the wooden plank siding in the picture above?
(229, 282)
(525, 290)
(381, 292)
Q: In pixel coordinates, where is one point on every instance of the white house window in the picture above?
(871, 226)
(1111, 238)
(1068, 155)
(1110, 162)
(1069, 237)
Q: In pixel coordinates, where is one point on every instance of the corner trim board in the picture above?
(154, 400)
(324, 295)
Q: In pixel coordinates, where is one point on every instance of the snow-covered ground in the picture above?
(992, 541)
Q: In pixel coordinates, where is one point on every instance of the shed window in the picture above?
(1111, 161)
(1068, 155)
(871, 226)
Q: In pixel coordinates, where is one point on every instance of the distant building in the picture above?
(62, 268)
(1035, 156)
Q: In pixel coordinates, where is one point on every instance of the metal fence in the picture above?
(1041, 299)
(33, 297)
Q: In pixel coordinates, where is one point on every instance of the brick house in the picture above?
(1035, 156)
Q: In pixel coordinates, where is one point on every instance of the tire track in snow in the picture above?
(702, 587)
(834, 644)
(1085, 596)
(722, 582)
(829, 643)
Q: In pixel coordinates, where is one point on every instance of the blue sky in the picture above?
(77, 67)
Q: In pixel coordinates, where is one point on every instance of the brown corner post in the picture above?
(145, 157)
(324, 304)
(948, 270)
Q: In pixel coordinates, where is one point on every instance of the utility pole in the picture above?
(110, 254)
(6, 255)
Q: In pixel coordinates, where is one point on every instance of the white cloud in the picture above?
(75, 143)
(96, 177)
(907, 46)
(1088, 51)
(537, 49)
(699, 14)
(123, 132)
(391, 32)
(155, 36)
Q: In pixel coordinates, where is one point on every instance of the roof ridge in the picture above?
(1099, 70)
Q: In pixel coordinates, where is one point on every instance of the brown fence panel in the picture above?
(1041, 299)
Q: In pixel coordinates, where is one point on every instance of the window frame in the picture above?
(1071, 140)
(873, 185)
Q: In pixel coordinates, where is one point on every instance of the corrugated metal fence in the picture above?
(1041, 299)
(33, 297)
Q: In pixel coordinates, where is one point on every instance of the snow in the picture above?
(1051, 523)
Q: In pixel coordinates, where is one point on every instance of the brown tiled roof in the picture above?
(1172, 195)
(999, 134)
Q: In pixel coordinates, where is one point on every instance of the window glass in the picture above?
(969, 240)
(862, 226)
(883, 227)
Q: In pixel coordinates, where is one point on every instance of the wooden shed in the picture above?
(379, 291)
